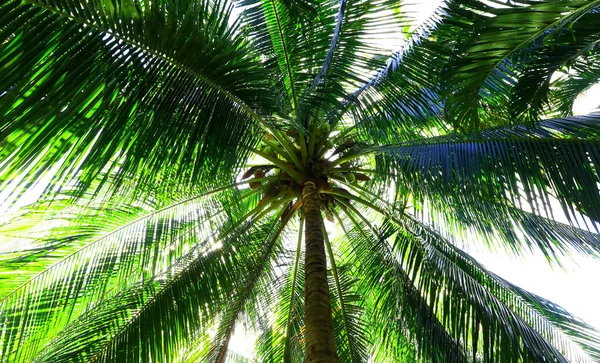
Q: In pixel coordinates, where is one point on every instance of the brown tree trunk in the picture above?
(318, 333)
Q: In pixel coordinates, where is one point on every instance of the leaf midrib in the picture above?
(228, 94)
(536, 35)
(287, 59)
(114, 231)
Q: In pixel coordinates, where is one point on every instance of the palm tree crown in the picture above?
(175, 169)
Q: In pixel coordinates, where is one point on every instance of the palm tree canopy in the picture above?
(172, 170)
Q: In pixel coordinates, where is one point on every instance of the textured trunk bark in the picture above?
(318, 333)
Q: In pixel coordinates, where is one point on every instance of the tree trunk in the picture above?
(318, 332)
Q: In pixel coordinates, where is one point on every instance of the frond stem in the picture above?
(338, 287)
(282, 165)
(286, 352)
(287, 58)
(156, 54)
(291, 149)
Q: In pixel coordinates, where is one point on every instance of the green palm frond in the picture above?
(348, 320)
(485, 307)
(396, 310)
(259, 278)
(403, 94)
(319, 60)
(581, 333)
(204, 278)
(516, 230)
(561, 48)
(174, 171)
(42, 236)
(349, 54)
(586, 73)
(282, 341)
(501, 225)
(406, 99)
(554, 157)
(420, 251)
(103, 86)
(101, 266)
(495, 39)
(279, 30)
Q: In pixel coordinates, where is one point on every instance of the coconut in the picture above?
(259, 173)
(362, 177)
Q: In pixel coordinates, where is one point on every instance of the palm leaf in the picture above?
(512, 229)
(191, 290)
(584, 73)
(561, 48)
(105, 264)
(348, 316)
(282, 341)
(49, 230)
(258, 286)
(487, 299)
(117, 86)
(495, 38)
(554, 157)
(403, 94)
(350, 55)
(287, 34)
(395, 310)
(539, 324)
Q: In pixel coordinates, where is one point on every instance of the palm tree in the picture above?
(167, 166)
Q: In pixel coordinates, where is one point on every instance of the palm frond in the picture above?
(471, 316)
(37, 235)
(581, 333)
(135, 89)
(495, 38)
(561, 48)
(262, 274)
(583, 73)
(512, 229)
(194, 289)
(403, 94)
(554, 157)
(349, 58)
(498, 223)
(282, 341)
(396, 312)
(533, 329)
(290, 35)
(348, 316)
(103, 265)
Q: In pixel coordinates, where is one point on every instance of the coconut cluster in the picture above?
(288, 168)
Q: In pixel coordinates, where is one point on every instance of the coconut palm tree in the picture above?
(173, 171)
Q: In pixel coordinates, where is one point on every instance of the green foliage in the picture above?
(129, 234)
